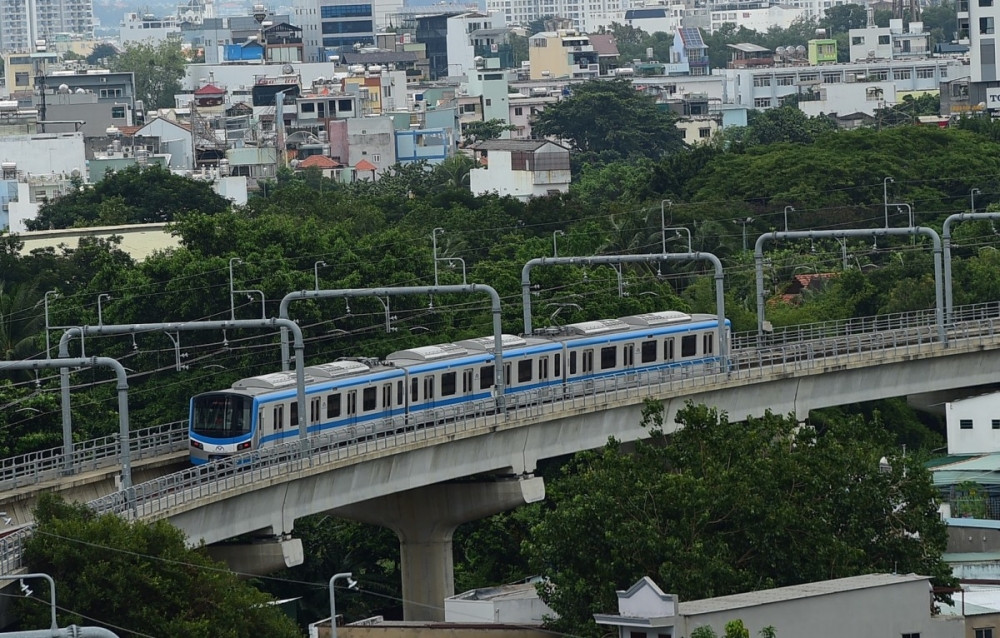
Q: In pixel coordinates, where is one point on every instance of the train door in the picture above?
(628, 356)
(313, 412)
(351, 406)
(429, 392)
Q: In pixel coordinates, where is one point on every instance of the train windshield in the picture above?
(221, 415)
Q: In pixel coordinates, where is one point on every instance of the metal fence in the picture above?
(52, 464)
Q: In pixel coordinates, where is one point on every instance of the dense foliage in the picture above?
(158, 70)
(721, 507)
(139, 577)
(134, 195)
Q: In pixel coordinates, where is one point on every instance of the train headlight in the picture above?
(196, 444)
(244, 446)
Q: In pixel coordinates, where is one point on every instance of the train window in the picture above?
(689, 345)
(647, 351)
(588, 361)
(368, 399)
(572, 362)
(543, 368)
(487, 376)
(314, 410)
(506, 374)
(333, 406)
(414, 389)
(609, 357)
(707, 345)
(556, 369)
(448, 384)
(399, 392)
(279, 417)
(524, 371)
(467, 380)
(386, 395)
(294, 414)
(352, 403)
(428, 388)
(668, 349)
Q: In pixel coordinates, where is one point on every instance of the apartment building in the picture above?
(23, 22)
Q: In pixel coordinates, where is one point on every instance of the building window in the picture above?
(518, 110)
(786, 80)
(927, 72)
(883, 39)
(762, 102)
(878, 75)
(762, 80)
(376, 158)
(986, 26)
(832, 78)
(489, 102)
(308, 107)
(985, 632)
(996, 424)
(704, 132)
(857, 41)
(118, 112)
(901, 74)
(965, 424)
(915, 634)
(808, 77)
(985, 3)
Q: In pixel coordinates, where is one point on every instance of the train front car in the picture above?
(221, 424)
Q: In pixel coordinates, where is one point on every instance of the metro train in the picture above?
(410, 387)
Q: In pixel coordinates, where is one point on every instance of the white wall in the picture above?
(844, 99)
(45, 152)
(982, 438)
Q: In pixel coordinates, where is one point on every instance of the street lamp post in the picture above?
(972, 198)
(351, 584)
(744, 222)
(788, 208)
(54, 294)
(555, 247)
(232, 304)
(663, 224)
(100, 318)
(434, 246)
(316, 271)
(885, 197)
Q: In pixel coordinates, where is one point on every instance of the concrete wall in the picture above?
(984, 435)
(45, 152)
(891, 610)
(432, 631)
(977, 536)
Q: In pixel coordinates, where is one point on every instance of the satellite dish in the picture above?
(75, 172)
(288, 69)
(64, 88)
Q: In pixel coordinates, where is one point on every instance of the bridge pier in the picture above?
(425, 519)
(262, 557)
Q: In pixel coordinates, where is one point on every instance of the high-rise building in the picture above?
(24, 22)
(977, 20)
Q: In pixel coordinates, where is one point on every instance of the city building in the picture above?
(665, 18)
(972, 425)
(822, 51)
(146, 28)
(870, 605)
(689, 50)
(763, 88)
(889, 43)
(562, 54)
(977, 21)
(463, 47)
(520, 168)
(586, 17)
(756, 16)
(23, 23)
(23, 69)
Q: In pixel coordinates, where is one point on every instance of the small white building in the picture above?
(847, 99)
(516, 604)
(871, 605)
(973, 424)
(520, 168)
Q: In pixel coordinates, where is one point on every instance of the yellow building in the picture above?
(562, 54)
(21, 69)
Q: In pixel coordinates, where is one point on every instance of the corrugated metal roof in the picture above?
(805, 590)
(512, 145)
(747, 47)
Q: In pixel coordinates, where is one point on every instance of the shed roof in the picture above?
(805, 590)
(512, 145)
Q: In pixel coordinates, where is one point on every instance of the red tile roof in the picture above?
(210, 89)
(319, 161)
(365, 165)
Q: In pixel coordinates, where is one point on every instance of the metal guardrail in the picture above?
(796, 349)
(93, 454)
(858, 348)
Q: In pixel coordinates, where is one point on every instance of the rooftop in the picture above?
(805, 590)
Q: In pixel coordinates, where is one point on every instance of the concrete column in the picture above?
(260, 558)
(425, 519)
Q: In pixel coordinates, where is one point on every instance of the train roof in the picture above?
(337, 369)
(270, 381)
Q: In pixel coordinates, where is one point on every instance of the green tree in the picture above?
(609, 120)
(722, 507)
(103, 53)
(158, 71)
(134, 195)
(488, 130)
(140, 577)
(843, 18)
